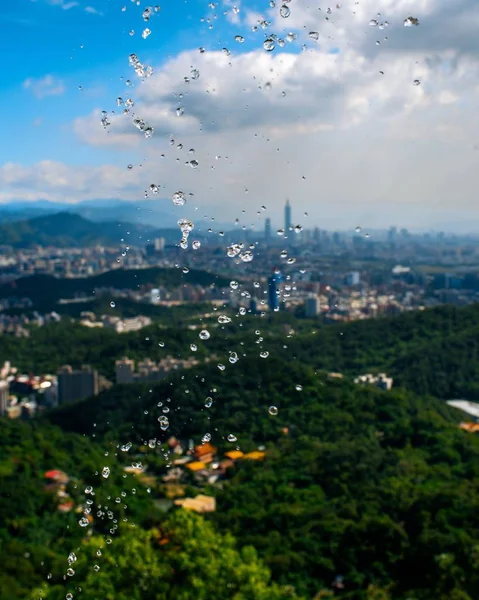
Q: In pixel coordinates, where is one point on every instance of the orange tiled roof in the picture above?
(470, 427)
(255, 455)
(205, 449)
(234, 454)
(196, 465)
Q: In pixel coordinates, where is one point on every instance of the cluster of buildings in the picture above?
(149, 370)
(89, 319)
(18, 325)
(21, 395)
(381, 380)
(205, 466)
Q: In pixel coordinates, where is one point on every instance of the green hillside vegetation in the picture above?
(46, 290)
(65, 229)
(140, 552)
(431, 352)
(381, 488)
(378, 491)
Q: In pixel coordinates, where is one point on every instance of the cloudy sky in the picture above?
(362, 113)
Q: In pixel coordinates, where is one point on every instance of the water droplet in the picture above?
(416, 82)
(147, 14)
(273, 410)
(132, 32)
(193, 347)
(226, 51)
(71, 558)
(411, 21)
(195, 74)
(146, 32)
(280, 232)
(70, 572)
(269, 44)
(298, 228)
(284, 11)
(223, 319)
(204, 334)
(239, 39)
(233, 358)
(209, 402)
(234, 285)
(105, 472)
(179, 198)
(264, 354)
(221, 367)
(291, 261)
(206, 438)
(231, 438)
(358, 229)
(247, 256)
(180, 111)
(185, 270)
(194, 164)
(196, 244)
(96, 568)
(298, 388)
(314, 35)
(164, 422)
(373, 23)
(112, 304)
(83, 522)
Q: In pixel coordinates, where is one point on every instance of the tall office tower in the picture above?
(287, 217)
(311, 306)
(267, 231)
(76, 385)
(124, 370)
(273, 291)
(3, 397)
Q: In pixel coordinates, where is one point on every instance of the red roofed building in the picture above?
(205, 452)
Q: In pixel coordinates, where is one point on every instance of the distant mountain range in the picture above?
(155, 213)
(66, 229)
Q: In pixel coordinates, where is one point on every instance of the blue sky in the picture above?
(334, 123)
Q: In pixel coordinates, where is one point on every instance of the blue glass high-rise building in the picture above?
(273, 291)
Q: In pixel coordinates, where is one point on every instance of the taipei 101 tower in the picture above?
(287, 217)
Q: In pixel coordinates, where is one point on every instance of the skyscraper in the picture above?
(273, 291)
(287, 217)
(76, 385)
(267, 231)
(3, 397)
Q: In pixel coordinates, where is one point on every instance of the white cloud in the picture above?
(64, 4)
(345, 134)
(92, 11)
(44, 86)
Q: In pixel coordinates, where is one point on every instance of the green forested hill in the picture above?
(431, 352)
(46, 290)
(381, 488)
(363, 494)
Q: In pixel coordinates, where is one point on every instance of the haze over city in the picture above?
(372, 123)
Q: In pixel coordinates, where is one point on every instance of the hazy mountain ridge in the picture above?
(65, 229)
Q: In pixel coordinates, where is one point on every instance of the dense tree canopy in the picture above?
(363, 494)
